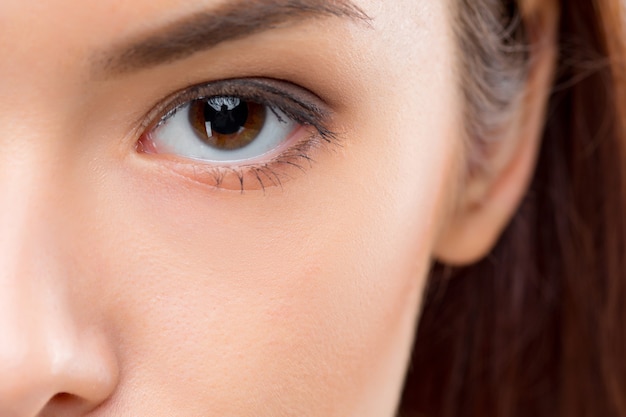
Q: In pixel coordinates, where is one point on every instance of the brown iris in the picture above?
(226, 123)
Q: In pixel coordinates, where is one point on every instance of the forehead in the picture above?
(50, 46)
(76, 22)
(64, 34)
(31, 27)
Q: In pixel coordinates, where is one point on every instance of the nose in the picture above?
(53, 362)
(45, 370)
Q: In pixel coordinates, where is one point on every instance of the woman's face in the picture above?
(153, 263)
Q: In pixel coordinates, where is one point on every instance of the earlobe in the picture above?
(488, 200)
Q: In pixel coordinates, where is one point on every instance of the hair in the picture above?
(537, 328)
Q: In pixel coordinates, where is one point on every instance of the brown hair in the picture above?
(539, 327)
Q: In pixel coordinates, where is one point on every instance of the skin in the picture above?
(130, 286)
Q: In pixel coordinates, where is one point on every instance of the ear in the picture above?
(488, 200)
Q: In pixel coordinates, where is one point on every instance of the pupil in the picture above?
(225, 121)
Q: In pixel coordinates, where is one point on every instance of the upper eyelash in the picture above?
(249, 89)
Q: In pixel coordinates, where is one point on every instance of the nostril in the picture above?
(63, 398)
(65, 404)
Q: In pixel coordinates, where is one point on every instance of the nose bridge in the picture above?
(28, 355)
(25, 213)
(28, 243)
(31, 286)
(44, 349)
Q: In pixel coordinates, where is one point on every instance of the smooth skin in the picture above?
(130, 287)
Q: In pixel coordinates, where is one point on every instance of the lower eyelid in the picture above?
(274, 169)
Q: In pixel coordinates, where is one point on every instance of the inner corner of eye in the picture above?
(145, 144)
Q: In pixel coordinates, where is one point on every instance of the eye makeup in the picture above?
(173, 127)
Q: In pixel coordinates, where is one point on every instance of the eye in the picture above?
(233, 131)
(222, 129)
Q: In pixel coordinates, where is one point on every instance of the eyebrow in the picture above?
(206, 29)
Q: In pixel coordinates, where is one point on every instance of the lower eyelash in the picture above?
(267, 174)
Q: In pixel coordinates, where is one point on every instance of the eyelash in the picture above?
(264, 92)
